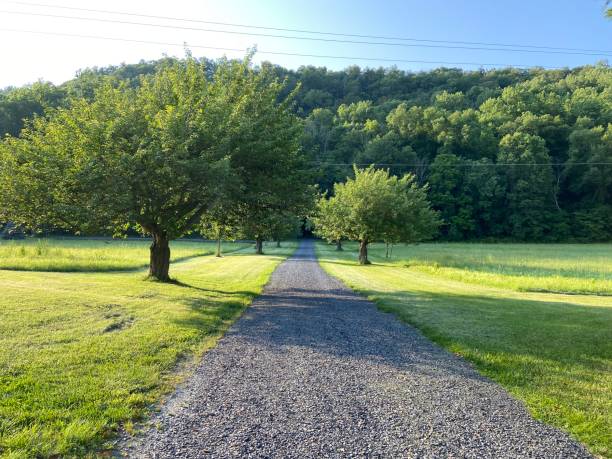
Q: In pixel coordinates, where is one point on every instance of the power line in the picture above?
(463, 165)
(276, 53)
(294, 37)
(314, 32)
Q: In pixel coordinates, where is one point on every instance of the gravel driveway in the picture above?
(314, 370)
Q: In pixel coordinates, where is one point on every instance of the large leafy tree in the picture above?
(376, 206)
(156, 157)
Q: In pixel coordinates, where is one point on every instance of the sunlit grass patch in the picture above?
(84, 353)
(557, 268)
(74, 255)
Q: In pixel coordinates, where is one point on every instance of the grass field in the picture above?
(83, 353)
(74, 255)
(493, 304)
(552, 268)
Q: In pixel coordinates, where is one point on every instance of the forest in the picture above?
(508, 154)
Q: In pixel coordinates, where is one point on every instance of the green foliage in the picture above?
(160, 148)
(331, 219)
(448, 190)
(272, 187)
(375, 206)
(403, 121)
(528, 181)
(486, 303)
(286, 226)
(18, 104)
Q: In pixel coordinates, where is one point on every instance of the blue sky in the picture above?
(27, 57)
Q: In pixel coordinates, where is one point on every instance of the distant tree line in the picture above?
(507, 154)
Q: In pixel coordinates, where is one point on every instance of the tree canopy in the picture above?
(375, 206)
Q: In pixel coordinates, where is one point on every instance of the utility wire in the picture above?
(294, 37)
(314, 32)
(276, 53)
(463, 165)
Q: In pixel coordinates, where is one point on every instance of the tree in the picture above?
(330, 220)
(18, 104)
(448, 194)
(375, 206)
(588, 165)
(218, 223)
(155, 157)
(529, 186)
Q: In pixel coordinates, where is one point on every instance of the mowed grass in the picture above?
(556, 268)
(82, 354)
(83, 255)
(551, 350)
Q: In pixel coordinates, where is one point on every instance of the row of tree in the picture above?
(185, 149)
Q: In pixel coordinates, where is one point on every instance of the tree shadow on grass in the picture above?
(339, 262)
(179, 283)
(563, 332)
(210, 316)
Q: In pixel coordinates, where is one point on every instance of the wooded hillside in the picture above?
(508, 154)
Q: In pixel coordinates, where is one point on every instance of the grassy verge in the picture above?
(553, 351)
(83, 353)
(78, 255)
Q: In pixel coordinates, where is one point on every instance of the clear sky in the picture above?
(27, 57)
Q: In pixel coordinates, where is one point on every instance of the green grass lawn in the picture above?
(552, 268)
(84, 353)
(487, 302)
(74, 255)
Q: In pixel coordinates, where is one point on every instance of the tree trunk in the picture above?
(339, 245)
(363, 252)
(219, 246)
(258, 246)
(387, 252)
(159, 265)
(278, 243)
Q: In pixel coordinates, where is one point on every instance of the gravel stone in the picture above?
(313, 370)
